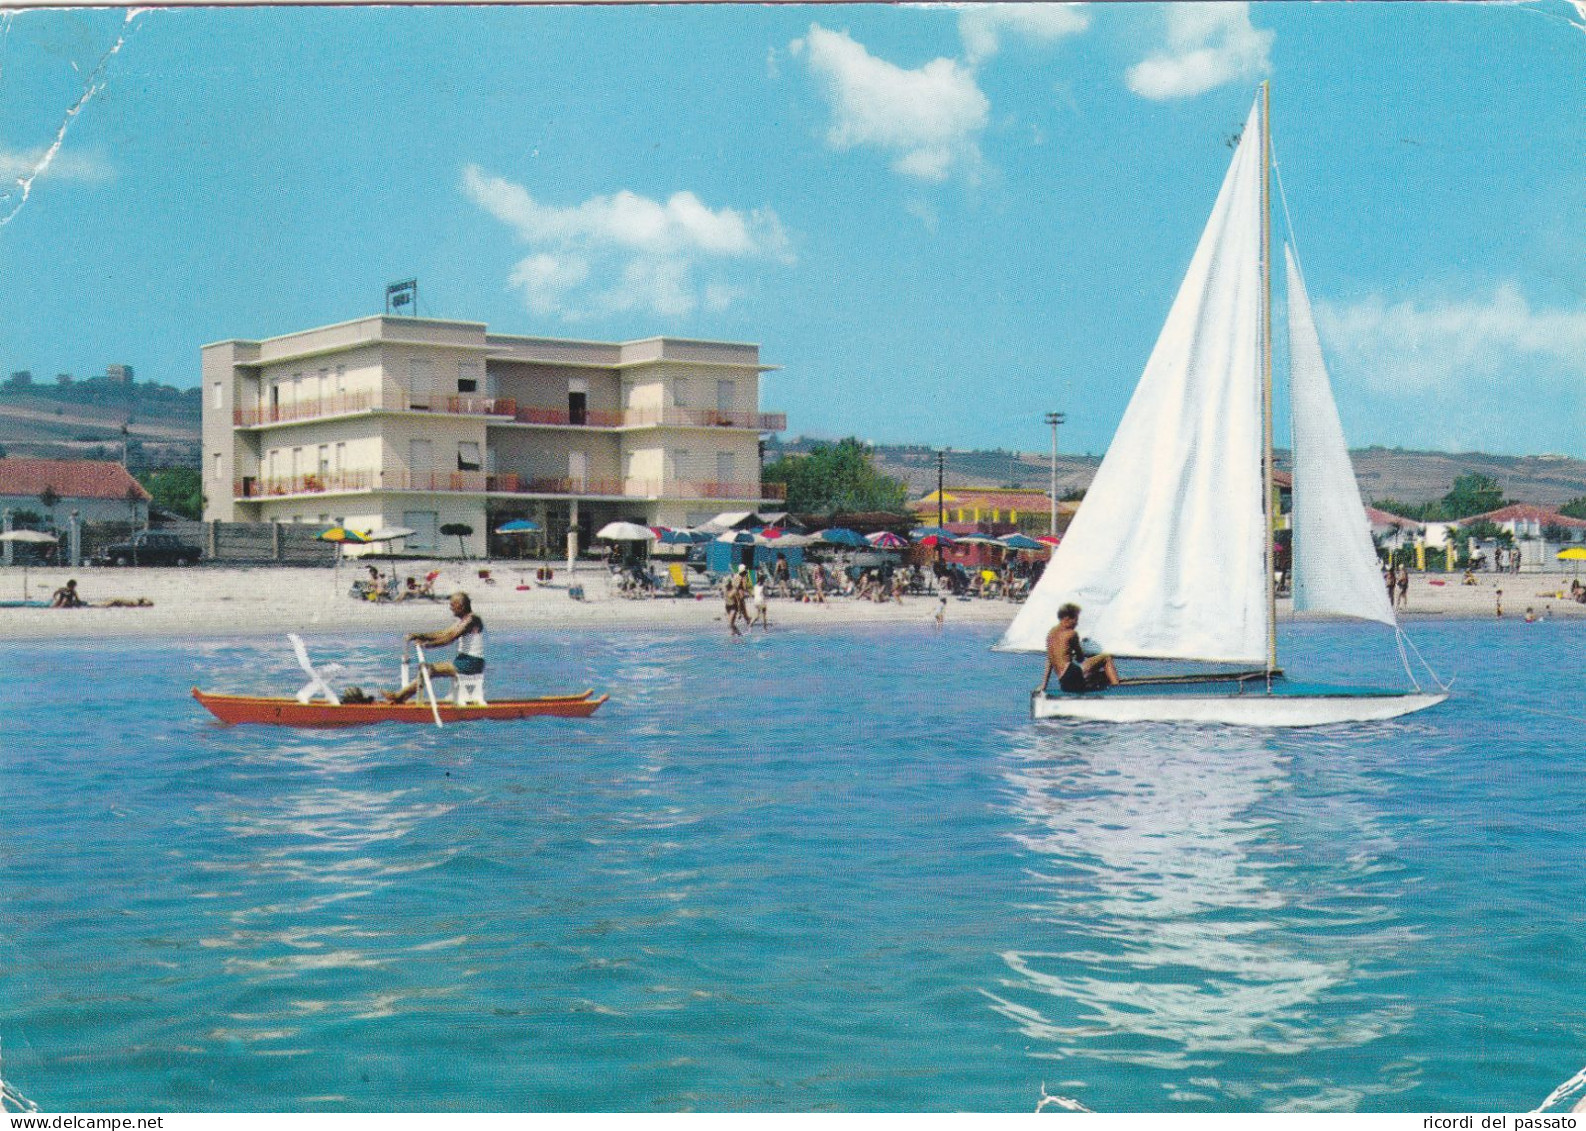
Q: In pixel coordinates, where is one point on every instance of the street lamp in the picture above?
(941, 504)
(1054, 419)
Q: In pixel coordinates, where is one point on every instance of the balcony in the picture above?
(479, 483)
(390, 400)
(396, 400)
(704, 418)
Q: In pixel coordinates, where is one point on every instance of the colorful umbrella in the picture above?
(1020, 542)
(938, 534)
(1048, 539)
(842, 536)
(345, 536)
(519, 526)
(681, 537)
(885, 540)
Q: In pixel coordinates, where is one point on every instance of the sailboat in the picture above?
(1171, 555)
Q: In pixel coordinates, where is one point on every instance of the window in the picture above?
(297, 462)
(421, 457)
(577, 400)
(680, 462)
(679, 392)
(468, 377)
(219, 468)
(424, 525)
(324, 383)
(726, 395)
(341, 455)
(219, 395)
(578, 469)
(726, 469)
(341, 380)
(324, 459)
(421, 381)
(468, 456)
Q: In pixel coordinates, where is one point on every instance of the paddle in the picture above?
(429, 688)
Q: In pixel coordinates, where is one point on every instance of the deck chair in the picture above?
(316, 684)
(679, 577)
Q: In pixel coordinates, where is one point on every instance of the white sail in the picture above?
(1166, 556)
(1335, 566)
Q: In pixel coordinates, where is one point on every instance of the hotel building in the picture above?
(421, 423)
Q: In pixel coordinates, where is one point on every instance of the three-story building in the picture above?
(423, 423)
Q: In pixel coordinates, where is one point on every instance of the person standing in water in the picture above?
(468, 630)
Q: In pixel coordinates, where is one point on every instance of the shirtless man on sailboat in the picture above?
(1065, 656)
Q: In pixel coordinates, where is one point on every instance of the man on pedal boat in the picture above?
(1075, 671)
(469, 633)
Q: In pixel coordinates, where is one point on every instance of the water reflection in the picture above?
(1189, 907)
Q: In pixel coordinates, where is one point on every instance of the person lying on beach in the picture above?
(126, 603)
(1075, 671)
(67, 597)
(469, 633)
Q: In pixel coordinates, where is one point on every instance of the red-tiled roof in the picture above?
(1527, 512)
(68, 478)
(1384, 518)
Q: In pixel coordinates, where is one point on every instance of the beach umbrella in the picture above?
(787, 539)
(1576, 554)
(519, 526)
(34, 537)
(937, 536)
(387, 534)
(885, 540)
(344, 536)
(1048, 539)
(842, 536)
(625, 532)
(1020, 542)
(743, 538)
(977, 540)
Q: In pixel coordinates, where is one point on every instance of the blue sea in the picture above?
(808, 870)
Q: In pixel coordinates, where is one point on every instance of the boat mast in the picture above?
(1268, 510)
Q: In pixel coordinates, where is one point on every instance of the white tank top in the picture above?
(473, 643)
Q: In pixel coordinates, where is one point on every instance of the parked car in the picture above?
(149, 547)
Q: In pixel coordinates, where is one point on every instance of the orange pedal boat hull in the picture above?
(238, 709)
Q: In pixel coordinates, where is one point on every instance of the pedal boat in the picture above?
(288, 711)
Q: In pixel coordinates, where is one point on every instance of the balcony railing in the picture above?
(388, 401)
(705, 418)
(478, 482)
(396, 400)
(589, 418)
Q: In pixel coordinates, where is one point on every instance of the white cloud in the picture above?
(1208, 45)
(626, 252)
(1413, 348)
(928, 118)
(62, 167)
(983, 27)
(1486, 372)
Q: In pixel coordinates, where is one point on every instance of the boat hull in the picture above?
(241, 709)
(1251, 707)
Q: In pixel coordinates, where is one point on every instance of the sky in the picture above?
(939, 221)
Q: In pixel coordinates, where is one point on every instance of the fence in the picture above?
(238, 542)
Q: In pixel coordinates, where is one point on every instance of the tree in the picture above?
(1472, 494)
(179, 490)
(459, 531)
(836, 477)
(1575, 508)
(49, 498)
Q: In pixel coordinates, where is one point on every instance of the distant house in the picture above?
(98, 491)
(1526, 520)
(1393, 531)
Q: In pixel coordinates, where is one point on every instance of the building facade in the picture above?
(424, 423)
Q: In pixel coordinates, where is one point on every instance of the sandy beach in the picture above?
(229, 600)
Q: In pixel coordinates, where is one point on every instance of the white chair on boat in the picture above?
(471, 690)
(316, 684)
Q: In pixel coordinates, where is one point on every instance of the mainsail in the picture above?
(1335, 565)
(1166, 557)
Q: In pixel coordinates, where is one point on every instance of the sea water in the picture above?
(811, 869)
